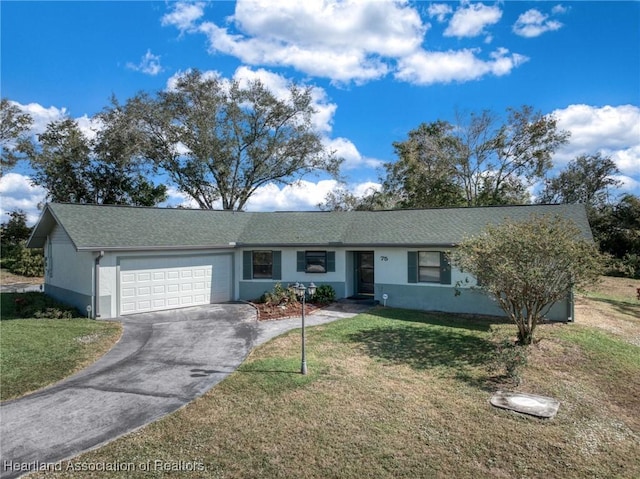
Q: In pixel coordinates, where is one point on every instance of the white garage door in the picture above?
(157, 283)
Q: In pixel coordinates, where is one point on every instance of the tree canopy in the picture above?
(476, 161)
(75, 169)
(219, 140)
(14, 139)
(587, 180)
(529, 266)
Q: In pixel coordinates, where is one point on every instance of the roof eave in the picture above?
(348, 245)
(154, 248)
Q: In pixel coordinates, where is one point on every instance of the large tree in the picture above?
(14, 138)
(425, 175)
(588, 180)
(478, 160)
(591, 180)
(219, 140)
(75, 169)
(529, 266)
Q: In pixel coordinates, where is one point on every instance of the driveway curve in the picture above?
(162, 361)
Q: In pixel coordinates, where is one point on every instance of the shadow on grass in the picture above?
(621, 306)
(423, 348)
(33, 304)
(449, 320)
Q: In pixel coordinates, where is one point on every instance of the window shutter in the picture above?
(247, 265)
(445, 269)
(331, 261)
(412, 269)
(301, 262)
(276, 257)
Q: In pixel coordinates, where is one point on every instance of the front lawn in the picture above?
(35, 353)
(402, 394)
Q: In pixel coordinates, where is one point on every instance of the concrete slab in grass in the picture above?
(534, 405)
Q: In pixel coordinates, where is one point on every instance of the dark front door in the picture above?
(364, 272)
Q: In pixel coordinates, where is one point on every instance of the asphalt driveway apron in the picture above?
(162, 362)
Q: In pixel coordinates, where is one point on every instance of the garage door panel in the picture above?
(140, 277)
(153, 284)
(128, 292)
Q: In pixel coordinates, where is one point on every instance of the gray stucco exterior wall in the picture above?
(72, 298)
(469, 301)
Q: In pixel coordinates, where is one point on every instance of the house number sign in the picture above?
(384, 258)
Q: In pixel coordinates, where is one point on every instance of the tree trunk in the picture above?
(525, 335)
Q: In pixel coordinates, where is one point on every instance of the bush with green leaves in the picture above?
(324, 294)
(528, 266)
(279, 295)
(35, 305)
(24, 261)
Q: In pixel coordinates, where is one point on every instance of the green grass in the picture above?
(402, 394)
(35, 353)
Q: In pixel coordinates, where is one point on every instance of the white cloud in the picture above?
(471, 19)
(177, 198)
(533, 23)
(440, 11)
(342, 40)
(302, 195)
(344, 148)
(18, 193)
(426, 68)
(559, 9)
(184, 15)
(362, 189)
(149, 64)
(353, 41)
(628, 184)
(41, 116)
(386, 28)
(611, 130)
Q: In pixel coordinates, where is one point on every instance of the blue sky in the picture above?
(378, 70)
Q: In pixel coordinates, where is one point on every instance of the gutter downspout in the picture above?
(96, 290)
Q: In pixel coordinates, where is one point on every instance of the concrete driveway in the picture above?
(162, 362)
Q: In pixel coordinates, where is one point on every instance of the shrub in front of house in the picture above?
(278, 296)
(35, 305)
(324, 294)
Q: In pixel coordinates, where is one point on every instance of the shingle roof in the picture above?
(99, 227)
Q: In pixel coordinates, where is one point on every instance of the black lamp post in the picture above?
(301, 292)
